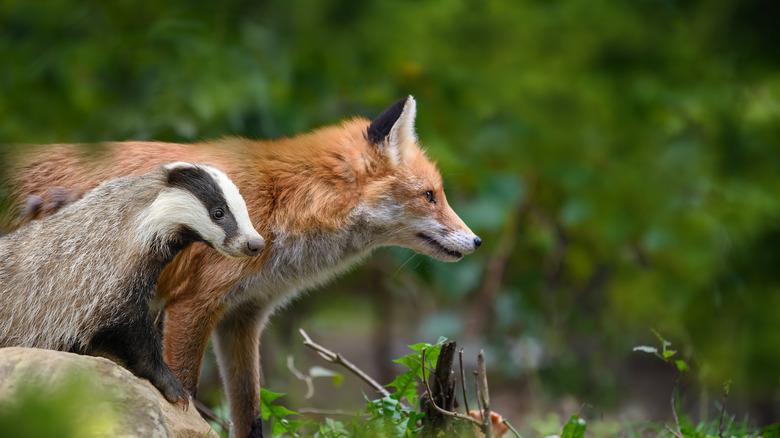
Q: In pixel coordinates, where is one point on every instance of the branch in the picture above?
(677, 434)
(509, 426)
(309, 381)
(674, 408)
(487, 426)
(337, 359)
(209, 414)
(433, 402)
(476, 390)
(463, 381)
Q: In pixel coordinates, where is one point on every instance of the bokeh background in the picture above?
(619, 159)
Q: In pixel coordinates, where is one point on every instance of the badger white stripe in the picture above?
(235, 201)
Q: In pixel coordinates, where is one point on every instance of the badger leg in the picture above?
(138, 346)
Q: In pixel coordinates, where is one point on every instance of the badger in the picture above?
(82, 279)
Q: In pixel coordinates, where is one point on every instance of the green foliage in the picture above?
(277, 413)
(666, 354)
(73, 409)
(574, 428)
(388, 419)
(406, 384)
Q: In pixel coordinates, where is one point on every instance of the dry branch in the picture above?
(487, 423)
(337, 359)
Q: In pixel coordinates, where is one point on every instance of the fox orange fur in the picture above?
(323, 200)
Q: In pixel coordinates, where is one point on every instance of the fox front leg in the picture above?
(237, 344)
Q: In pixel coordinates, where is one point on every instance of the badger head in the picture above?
(203, 203)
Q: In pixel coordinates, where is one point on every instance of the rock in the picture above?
(97, 396)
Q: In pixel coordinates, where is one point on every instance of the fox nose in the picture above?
(477, 242)
(254, 247)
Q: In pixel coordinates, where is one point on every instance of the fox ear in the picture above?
(393, 130)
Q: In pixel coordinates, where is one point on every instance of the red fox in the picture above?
(323, 200)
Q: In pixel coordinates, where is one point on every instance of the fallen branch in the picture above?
(339, 360)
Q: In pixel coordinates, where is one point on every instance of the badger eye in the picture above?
(429, 196)
(218, 214)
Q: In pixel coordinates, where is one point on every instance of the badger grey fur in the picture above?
(81, 280)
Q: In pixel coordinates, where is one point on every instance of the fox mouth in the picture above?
(432, 242)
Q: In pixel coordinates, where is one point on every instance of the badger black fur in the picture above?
(81, 280)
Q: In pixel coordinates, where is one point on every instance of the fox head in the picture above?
(407, 194)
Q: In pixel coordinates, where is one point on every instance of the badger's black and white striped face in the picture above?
(203, 200)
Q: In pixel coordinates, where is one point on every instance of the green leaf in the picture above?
(332, 429)
(287, 426)
(669, 353)
(771, 431)
(406, 384)
(575, 428)
(318, 371)
(388, 419)
(681, 365)
(277, 413)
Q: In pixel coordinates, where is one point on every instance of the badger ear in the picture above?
(393, 130)
(179, 172)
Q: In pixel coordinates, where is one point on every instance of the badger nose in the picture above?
(254, 247)
(477, 242)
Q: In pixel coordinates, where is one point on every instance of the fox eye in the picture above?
(218, 214)
(429, 196)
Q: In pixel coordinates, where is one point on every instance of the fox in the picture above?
(323, 201)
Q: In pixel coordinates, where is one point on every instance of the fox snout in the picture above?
(448, 246)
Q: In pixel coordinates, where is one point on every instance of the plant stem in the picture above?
(512, 429)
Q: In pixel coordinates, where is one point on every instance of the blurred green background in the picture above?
(619, 159)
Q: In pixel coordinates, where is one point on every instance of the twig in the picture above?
(337, 359)
(463, 381)
(677, 434)
(476, 390)
(721, 426)
(512, 429)
(209, 414)
(433, 402)
(487, 419)
(309, 381)
(674, 406)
